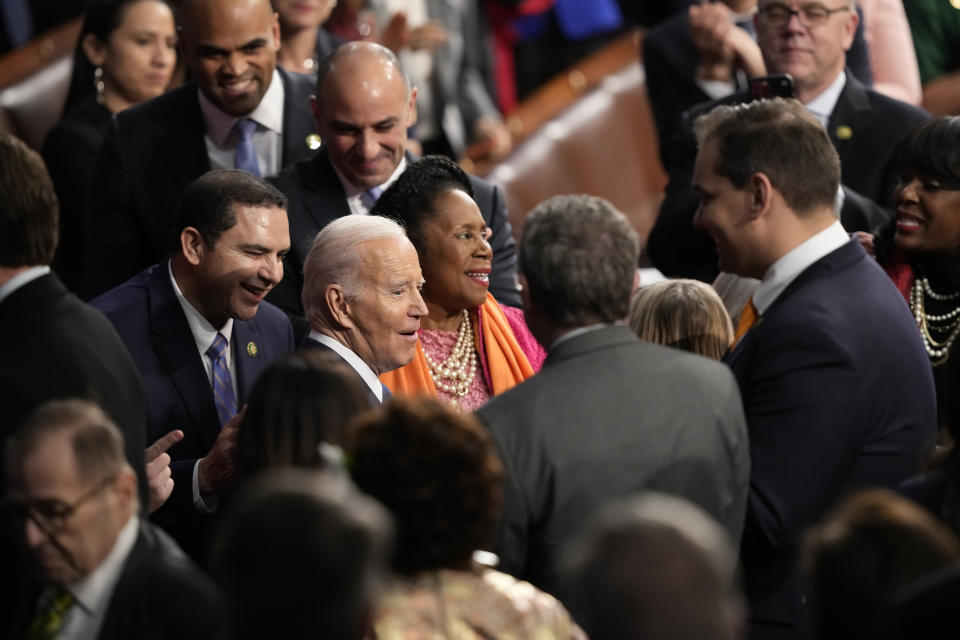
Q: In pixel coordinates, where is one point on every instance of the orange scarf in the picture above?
(503, 362)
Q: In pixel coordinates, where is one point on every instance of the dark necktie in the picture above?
(223, 396)
(246, 154)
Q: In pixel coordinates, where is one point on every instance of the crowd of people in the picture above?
(268, 370)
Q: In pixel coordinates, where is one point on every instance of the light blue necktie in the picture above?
(369, 197)
(223, 396)
(246, 154)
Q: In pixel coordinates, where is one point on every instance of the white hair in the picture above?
(333, 258)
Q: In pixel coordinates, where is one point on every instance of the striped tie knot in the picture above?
(223, 396)
(218, 347)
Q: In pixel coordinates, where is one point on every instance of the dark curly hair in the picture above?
(411, 199)
(437, 472)
(300, 401)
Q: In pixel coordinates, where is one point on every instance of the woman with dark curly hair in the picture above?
(297, 413)
(436, 471)
(920, 250)
(470, 347)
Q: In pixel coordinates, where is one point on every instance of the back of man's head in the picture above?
(301, 557)
(781, 139)
(335, 258)
(579, 256)
(652, 568)
(29, 211)
(208, 203)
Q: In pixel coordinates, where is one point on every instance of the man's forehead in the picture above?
(49, 470)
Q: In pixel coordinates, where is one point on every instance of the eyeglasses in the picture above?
(52, 515)
(810, 15)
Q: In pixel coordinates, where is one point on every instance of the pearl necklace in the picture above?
(929, 323)
(455, 374)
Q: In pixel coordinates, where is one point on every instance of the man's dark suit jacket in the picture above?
(607, 416)
(150, 154)
(317, 197)
(864, 127)
(149, 319)
(839, 395)
(160, 595)
(310, 343)
(55, 346)
(670, 61)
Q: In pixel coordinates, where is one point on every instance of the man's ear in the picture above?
(339, 306)
(192, 245)
(760, 194)
(412, 108)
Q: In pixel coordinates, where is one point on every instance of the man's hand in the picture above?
(216, 469)
(159, 481)
(494, 132)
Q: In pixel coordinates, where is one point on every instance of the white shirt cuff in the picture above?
(204, 503)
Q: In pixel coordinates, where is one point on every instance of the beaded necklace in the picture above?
(945, 326)
(455, 374)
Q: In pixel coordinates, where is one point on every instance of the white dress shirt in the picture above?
(221, 141)
(203, 335)
(92, 594)
(22, 278)
(790, 265)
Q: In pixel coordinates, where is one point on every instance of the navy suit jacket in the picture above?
(317, 198)
(145, 312)
(310, 343)
(150, 154)
(864, 127)
(670, 62)
(838, 393)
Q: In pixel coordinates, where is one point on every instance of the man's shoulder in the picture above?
(131, 294)
(269, 318)
(885, 106)
(167, 109)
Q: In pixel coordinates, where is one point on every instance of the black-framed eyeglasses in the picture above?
(810, 15)
(52, 515)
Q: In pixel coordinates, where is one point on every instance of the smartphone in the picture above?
(775, 86)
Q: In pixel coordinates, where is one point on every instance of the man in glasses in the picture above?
(808, 40)
(105, 573)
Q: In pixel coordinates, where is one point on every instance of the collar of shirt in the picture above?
(353, 360)
(354, 193)
(785, 270)
(823, 105)
(573, 333)
(93, 593)
(22, 278)
(268, 114)
(203, 332)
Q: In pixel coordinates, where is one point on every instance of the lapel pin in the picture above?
(313, 141)
(252, 350)
(844, 132)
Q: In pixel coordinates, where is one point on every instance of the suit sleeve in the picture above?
(503, 280)
(473, 97)
(113, 246)
(803, 439)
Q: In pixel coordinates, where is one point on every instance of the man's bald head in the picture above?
(363, 107)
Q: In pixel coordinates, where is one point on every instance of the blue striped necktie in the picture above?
(246, 154)
(222, 386)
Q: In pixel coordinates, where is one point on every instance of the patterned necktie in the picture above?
(246, 154)
(369, 197)
(748, 318)
(49, 618)
(386, 393)
(222, 385)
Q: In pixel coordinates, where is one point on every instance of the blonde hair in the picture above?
(684, 314)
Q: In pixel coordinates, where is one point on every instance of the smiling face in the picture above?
(139, 55)
(74, 548)
(928, 216)
(231, 47)
(231, 278)
(457, 258)
(383, 320)
(814, 55)
(725, 214)
(362, 117)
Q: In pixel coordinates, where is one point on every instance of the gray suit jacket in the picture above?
(607, 416)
